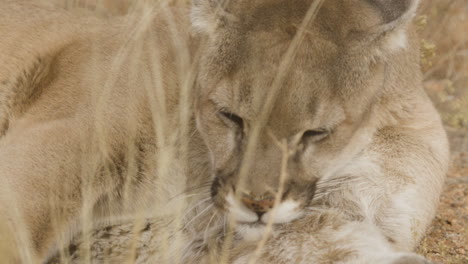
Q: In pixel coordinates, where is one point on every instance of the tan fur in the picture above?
(105, 120)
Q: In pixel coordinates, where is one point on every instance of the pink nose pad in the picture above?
(258, 206)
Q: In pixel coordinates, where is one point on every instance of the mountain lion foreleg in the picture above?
(327, 236)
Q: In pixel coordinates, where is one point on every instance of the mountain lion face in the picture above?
(276, 98)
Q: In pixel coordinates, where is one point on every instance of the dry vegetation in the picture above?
(445, 48)
(444, 27)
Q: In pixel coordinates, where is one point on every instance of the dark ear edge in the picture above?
(391, 33)
(394, 13)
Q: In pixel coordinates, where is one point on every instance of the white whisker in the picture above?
(205, 234)
(198, 204)
(198, 215)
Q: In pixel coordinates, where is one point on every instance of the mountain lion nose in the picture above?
(258, 206)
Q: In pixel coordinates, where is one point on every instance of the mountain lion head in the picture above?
(292, 87)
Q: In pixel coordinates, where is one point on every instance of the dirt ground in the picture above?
(444, 29)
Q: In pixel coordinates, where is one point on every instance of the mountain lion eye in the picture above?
(233, 118)
(315, 135)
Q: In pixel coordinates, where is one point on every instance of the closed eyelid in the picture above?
(233, 117)
(316, 132)
(315, 135)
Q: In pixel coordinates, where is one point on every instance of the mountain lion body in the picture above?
(299, 119)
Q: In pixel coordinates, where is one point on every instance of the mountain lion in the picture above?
(275, 131)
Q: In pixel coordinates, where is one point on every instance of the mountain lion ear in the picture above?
(207, 15)
(382, 22)
(393, 13)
